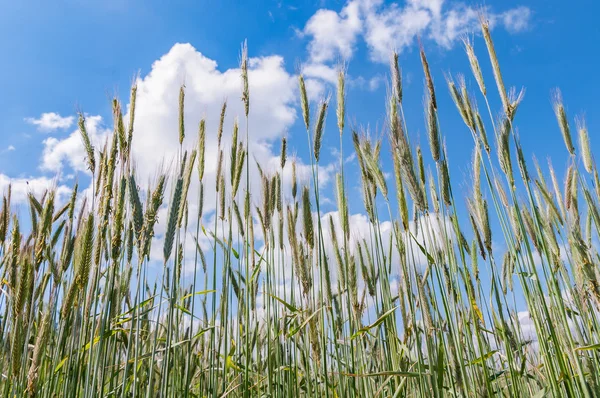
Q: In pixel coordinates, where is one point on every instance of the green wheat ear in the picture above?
(584, 145)
(563, 123)
(341, 100)
(319, 127)
(307, 218)
(396, 77)
(172, 219)
(304, 102)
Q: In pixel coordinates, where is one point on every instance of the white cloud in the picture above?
(333, 34)
(457, 21)
(315, 89)
(321, 71)
(517, 19)
(51, 121)
(21, 187)
(375, 82)
(273, 102)
(371, 84)
(396, 26)
(70, 150)
(273, 98)
(393, 27)
(272, 105)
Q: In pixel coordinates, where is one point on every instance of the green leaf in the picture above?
(378, 322)
(256, 269)
(287, 305)
(60, 364)
(140, 305)
(440, 367)
(107, 334)
(176, 344)
(200, 333)
(303, 324)
(389, 373)
(497, 375)
(225, 245)
(124, 320)
(230, 364)
(423, 250)
(483, 358)
(185, 310)
(202, 292)
(588, 347)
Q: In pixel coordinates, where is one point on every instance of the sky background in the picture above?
(69, 55)
(64, 56)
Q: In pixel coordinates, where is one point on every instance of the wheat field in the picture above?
(419, 304)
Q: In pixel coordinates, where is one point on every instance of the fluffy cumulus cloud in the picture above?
(69, 151)
(272, 104)
(334, 33)
(21, 187)
(395, 26)
(517, 19)
(272, 111)
(51, 121)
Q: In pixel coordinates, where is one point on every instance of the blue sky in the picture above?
(68, 54)
(71, 54)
